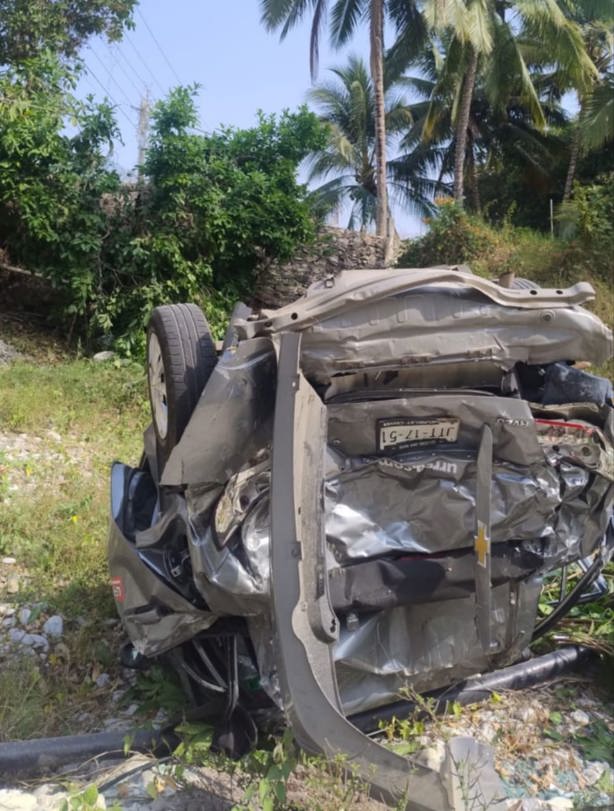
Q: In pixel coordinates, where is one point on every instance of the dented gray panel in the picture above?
(427, 505)
(155, 616)
(352, 287)
(352, 426)
(232, 419)
(430, 326)
(423, 647)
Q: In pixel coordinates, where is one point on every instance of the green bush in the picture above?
(588, 217)
(208, 210)
(454, 237)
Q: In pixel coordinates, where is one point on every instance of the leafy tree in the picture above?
(347, 106)
(30, 27)
(52, 183)
(498, 40)
(213, 208)
(344, 18)
(511, 166)
(593, 127)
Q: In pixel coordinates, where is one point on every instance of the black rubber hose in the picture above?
(46, 755)
(515, 677)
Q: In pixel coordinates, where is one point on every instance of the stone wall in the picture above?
(335, 249)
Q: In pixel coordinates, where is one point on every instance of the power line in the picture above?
(160, 48)
(124, 58)
(113, 79)
(143, 62)
(120, 107)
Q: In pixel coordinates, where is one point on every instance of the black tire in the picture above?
(180, 358)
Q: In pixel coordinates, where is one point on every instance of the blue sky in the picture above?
(223, 46)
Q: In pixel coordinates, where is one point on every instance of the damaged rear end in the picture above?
(367, 497)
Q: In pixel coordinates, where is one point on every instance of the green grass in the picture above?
(53, 520)
(56, 524)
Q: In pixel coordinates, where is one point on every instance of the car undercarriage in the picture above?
(360, 497)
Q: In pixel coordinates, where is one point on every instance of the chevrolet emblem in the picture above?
(482, 544)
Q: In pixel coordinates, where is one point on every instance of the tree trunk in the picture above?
(462, 123)
(573, 162)
(473, 172)
(377, 77)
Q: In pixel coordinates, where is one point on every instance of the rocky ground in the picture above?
(551, 746)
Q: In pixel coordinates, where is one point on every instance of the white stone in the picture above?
(593, 772)
(433, 756)
(12, 584)
(559, 804)
(24, 616)
(54, 436)
(16, 634)
(488, 732)
(103, 680)
(526, 714)
(6, 610)
(54, 626)
(580, 718)
(14, 800)
(100, 357)
(8, 561)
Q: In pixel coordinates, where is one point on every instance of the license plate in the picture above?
(397, 434)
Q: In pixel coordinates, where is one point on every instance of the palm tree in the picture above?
(345, 16)
(495, 135)
(347, 105)
(498, 40)
(593, 126)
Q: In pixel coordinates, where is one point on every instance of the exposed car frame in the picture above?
(292, 387)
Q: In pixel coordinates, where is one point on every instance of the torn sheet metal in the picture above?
(155, 616)
(424, 647)
(232, 420)
(395, 318)
(360, 549)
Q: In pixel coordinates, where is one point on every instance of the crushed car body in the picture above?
(361, 496)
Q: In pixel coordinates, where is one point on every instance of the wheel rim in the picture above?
(157, 386)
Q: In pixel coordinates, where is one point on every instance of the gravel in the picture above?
(7, 354)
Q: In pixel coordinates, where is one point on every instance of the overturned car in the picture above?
(363, 492)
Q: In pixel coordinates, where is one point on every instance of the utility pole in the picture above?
(143, 132)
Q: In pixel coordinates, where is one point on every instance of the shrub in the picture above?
(453, 237)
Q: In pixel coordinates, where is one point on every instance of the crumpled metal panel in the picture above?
(353, 326)
(234, 578)
(424, 504)
(424, 647)
(428, 506)
(352, 426)
(352, 287)
(155, 616)
(421, 329)
(419, 647)
(232, 420)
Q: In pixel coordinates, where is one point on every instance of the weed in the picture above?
(595, 743)
(87, 799)
(158, 688)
